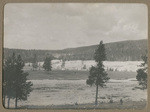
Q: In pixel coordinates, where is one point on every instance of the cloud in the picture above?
(63, 25)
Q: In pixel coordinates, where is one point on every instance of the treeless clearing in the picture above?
(75, 75)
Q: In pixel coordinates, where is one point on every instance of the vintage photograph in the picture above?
(75, 56)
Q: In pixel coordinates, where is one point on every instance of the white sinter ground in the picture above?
(85, 65)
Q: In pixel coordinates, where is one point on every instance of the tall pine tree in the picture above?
(15, 79)
(22, 87)
(47, 64)
(8, 78)
(34, 62)
(98, 76)
(142, 73)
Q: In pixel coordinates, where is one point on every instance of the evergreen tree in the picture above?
(22, 87)
(47, 64)
(98, 76)
(63, 63)
(34, 62)
(142, 73)
(8, 78)
(3, 87)
(15, 79)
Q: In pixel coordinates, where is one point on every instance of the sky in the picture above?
(54, 26)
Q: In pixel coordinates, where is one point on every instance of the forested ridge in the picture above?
(130, 50)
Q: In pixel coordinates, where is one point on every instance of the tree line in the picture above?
(117, 51)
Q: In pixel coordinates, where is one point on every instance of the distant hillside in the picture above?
(131, 50)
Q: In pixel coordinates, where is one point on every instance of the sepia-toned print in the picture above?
(75, 56)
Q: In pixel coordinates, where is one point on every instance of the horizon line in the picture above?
(71, 47)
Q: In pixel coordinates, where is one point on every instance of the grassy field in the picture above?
(64, 89)
(75, 75)
(116, 105)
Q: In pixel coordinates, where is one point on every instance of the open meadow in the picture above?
(68, 89)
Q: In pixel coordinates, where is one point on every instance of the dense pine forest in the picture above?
(131, 50)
